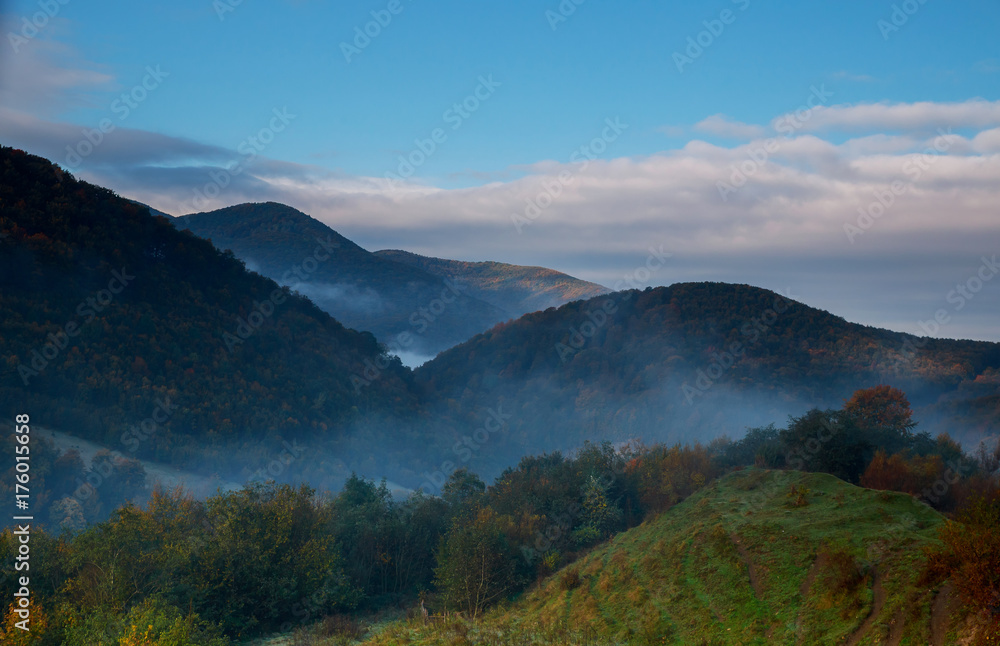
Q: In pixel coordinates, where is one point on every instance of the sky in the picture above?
(845, 153)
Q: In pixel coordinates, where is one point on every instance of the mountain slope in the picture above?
(513, 288)
(123, 330)
(690, 362)
(362, 290)
(758, 557)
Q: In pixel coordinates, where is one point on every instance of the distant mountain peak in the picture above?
(516, 288)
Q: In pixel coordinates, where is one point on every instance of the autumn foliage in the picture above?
(971, 556)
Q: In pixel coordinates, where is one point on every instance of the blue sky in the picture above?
(557, 84)
(886, 92)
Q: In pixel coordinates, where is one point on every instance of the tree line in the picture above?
(270, 557)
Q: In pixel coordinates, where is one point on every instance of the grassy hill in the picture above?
(757, 557)
(365, 291)
(514, 288)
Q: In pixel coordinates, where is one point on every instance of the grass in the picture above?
(757, 557)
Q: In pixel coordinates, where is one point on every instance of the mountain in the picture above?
(407, 308)
(515, 289)
(151, 210)
(690, 362)
(112, 317)
(757, 557)
(123, 330)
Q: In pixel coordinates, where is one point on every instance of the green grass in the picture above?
(817, 554)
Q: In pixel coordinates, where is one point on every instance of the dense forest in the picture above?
(276, 558)
(693, 361)
(121, 329)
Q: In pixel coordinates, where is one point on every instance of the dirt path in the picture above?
(811, 576)
(896, 630)
(751, 570)
(941, 614)
(878, 601)
(804, 590)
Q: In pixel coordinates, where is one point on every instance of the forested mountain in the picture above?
(693, 361)
(113, 317)
(404, 306)
(121, 329)
(516, 289)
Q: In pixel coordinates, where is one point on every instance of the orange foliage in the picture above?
(912, 475)
(881, 407)
(667, 476)
(972, 549)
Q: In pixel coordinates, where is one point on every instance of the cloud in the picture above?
(723, 126)
(784, 226)
(904, 117)
(48, 77)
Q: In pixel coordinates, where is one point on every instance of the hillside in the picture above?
(757, 557)
(123, 330)
(364, 291)
(516, 289)
(693, 361)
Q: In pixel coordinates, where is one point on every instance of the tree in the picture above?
(599, 517)
(885, 411)
(477, 566)
(462, 488)
(829, 442)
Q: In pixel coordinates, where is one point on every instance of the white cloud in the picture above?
(904, 117)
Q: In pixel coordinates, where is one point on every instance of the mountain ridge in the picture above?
(407, 308)
(518, 289)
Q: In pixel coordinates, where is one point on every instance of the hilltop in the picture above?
(756, 557)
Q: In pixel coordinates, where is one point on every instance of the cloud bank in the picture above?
(874, 211)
